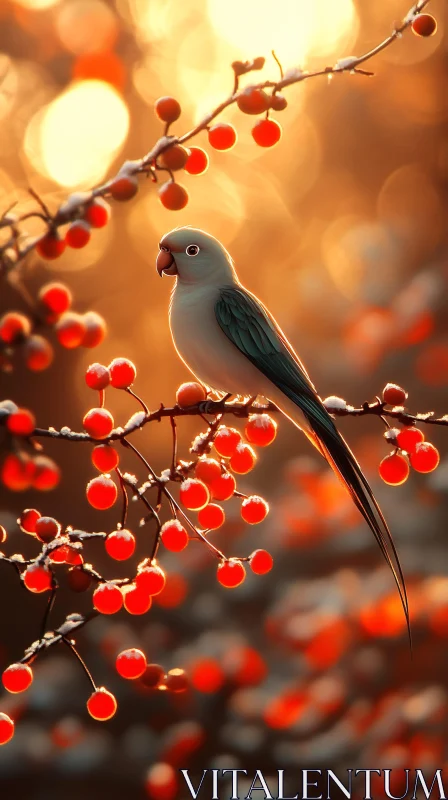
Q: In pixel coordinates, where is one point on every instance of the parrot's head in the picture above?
(194, 256)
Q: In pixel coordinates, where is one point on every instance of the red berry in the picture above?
(14, 327)
(97, 213)
(136, 600)
(97, 377)
(37, 578)
(223, 488)
(66, 555)
(261, 562)
(424, 25)
(101, 492)
(56, 297)
(47, 528)
(122, 373)
(409, 438)
(222, 136)
(99, 423)
(243, 459)
(95, 329)
(167, 109)
(101, 705)
(231, 573)
(175, 157)
(260, 429)
(207, 469)
(425, 457)
(6, 728)
(51, 246)
(151, 579)
(226, 441)
(253, 101)
(105, 458)
(70, 330)
(197, 162)
(190, 394)
(124, 188)
(78, 234)
(394, 395)
(131, 663)
(212, 517)
(173, 195)
(174, 536)
(153, 676)
(207, 675)
(254, 509)
(176, 680)
(120, 544)
(38, 353)
(17, 472)
(3, 535)
(107, 598)
(21, 422)
(266, 132)
(193, 494)
(17, 678)
(46, 474)
(78, 580)
(394, 469)
(278, 102)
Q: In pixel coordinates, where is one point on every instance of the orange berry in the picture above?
(425, 457)
(120, 544)
(173, 196)
(97, 377)
(101, 492)
(190, 394)
(98, 422)
(394, 395)
(266, 132)
(207, 469)
(197, 162)
(243, 459)
(122, 373)
(260, 429)
(174, 536)
(70, 329)
(167, 109)
(38, 353)
(409, 438)
(231, 573)
(226, 441)
(124, 188)
(175, 157)
(107, 598)
(253, 101)
(254, 509)
(261, 562)
(193, 494)
(424, 25)
(222, 136)
(394, 469)
(211, 517)
(101, 705)
(223, 488)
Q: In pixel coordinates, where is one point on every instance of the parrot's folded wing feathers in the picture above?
(251, 328)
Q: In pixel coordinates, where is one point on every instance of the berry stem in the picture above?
(70, 644)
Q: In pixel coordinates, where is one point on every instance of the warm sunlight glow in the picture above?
(36, 5)
(78, 134)
(296, 29)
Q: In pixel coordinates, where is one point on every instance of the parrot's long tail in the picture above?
(326, 437)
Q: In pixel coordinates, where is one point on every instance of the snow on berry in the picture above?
(6, 728)
(101, 492)
(122, 373)
(226, 441)
(254, 509)
(193, 494)
(136, 600)
(17, 678)
(120, 544)
(21, 422)
(243, 459)
(131, 663)
(425, 457)
(101, 705)
(56, 297)
(408, 438)
(394, 395)
(190, 394)
(260, 430)
(231, 573)
(174, 536)
(151, 579)
(107, 598)
(98, 422)
(97, 376)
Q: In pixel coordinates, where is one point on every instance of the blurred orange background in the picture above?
(341, 230)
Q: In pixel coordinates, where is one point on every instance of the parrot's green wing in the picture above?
(250, 327)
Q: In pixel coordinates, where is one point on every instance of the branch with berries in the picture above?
(72, 223)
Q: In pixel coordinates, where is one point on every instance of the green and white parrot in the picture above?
(228, 339)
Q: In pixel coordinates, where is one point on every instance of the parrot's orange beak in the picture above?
(165, 263)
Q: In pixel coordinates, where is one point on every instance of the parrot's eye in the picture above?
(192, 250)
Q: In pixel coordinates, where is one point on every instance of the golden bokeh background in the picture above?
(341, 229)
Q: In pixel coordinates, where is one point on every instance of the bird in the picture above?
(233, 345)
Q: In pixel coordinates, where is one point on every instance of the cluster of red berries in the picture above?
(71, 328)
(20, 469)
(95, 213)
(411, 449)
